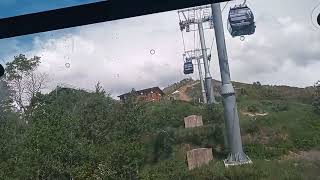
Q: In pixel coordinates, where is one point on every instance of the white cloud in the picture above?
(282, 51)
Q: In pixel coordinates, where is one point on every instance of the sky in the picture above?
(285, 50)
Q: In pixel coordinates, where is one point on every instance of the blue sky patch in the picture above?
(21, 44)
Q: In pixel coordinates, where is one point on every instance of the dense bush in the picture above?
(253, 108)
(280, 106)
(260, 151)
(212, 114)
(242, 92)
(166, 170)
(316, 105)
(74, 134)
(168, 114)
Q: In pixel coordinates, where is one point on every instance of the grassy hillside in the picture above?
(274, 141)
(249, 91)
(80, 135)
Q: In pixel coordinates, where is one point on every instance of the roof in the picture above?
(145, 91)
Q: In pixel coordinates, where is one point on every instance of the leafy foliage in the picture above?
(23, 81)
(253, 108)
(74, 134)
(280, 106)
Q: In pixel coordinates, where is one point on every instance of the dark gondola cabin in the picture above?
(188, 67)
(241, 21)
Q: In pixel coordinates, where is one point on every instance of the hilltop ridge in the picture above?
(190, 90)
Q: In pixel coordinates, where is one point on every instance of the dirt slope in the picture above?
(183, 94)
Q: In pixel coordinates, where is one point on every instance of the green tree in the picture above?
(53, 147)
(23, 79)
(12, 130)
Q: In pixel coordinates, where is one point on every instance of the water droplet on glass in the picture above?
(315, 16)
(152, 51)
(67, 65)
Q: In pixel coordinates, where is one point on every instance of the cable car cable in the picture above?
(212, 44)
(184, 46)
(225, 6)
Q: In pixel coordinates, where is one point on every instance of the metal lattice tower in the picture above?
(200, 16)
(196, 54)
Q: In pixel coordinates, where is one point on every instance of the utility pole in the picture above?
(199, 16)
(208, 78)
(236, 156)
(195, 54)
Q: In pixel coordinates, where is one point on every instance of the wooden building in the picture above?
(145, 95)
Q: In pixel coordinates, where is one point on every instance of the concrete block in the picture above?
(199, 157)
(193, 121)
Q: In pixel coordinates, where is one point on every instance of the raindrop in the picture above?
(67, 65)
(315, 16)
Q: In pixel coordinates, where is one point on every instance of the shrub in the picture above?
(212, 114)
(316, 105)
(162, 145)
(207, 136)
(259, 151)
(253, 108)
(165, 170)
(243, 92)
(281, 106)
(256, 84)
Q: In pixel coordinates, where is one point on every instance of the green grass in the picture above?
(291, 125)
(260, 169)
(293, 128)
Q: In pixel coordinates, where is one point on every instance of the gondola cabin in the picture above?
(241, 21)
(188, 67)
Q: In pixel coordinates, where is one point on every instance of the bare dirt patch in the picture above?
(312, 156)
(265, 135)
(254, 114)
(183, 92)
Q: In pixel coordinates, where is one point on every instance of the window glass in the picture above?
(61, 116)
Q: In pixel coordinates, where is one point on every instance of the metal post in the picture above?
(204, 95)
(236, 156)
(208, 77)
